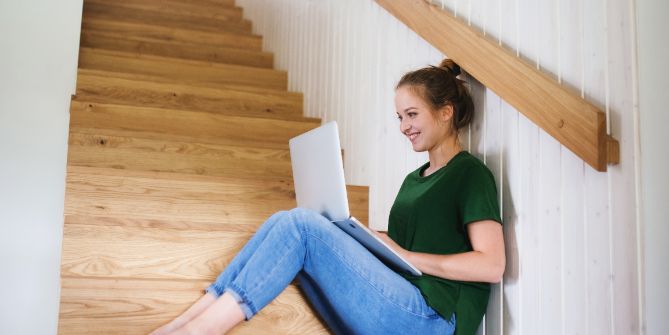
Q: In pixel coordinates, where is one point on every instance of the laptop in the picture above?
(318, 173)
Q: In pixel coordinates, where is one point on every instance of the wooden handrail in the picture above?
(576, 123)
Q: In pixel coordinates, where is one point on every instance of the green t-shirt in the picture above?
(430, 214)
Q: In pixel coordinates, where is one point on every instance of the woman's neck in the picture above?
(442, 154)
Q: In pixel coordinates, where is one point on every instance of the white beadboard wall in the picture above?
(571, 232)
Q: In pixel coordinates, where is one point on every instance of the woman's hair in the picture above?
(439, 87)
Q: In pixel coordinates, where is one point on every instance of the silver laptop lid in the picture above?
(318, 172)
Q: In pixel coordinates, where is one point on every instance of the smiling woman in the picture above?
(427, 100)
(445, 221)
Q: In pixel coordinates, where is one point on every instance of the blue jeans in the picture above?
(348, 286)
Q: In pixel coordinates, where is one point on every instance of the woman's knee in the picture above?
(300, 219)
(306, 216)
(302, 212)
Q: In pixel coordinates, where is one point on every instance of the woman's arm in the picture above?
(485, 263)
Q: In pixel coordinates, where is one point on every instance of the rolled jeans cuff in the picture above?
(244, 303)
(239, 298)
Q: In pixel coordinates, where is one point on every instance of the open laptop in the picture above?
(318, 173)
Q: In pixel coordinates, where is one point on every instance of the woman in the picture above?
(445, 221)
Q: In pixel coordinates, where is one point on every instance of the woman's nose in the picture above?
(405, 126)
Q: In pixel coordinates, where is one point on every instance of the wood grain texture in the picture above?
(208, 53)
(576, 123)
(228, 3)
(225, 101)
(193, 10)
(148, 253)
(184, 197)
(176, 20)
(156, 33)
(134, 306)
(184, 83)
(177, 154)
(188, 126)
(174, 68)
(133, 153)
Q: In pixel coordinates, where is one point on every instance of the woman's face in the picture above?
(418, 121)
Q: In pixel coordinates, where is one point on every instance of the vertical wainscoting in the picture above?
(570, 231)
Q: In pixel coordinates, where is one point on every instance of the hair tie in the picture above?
(455, 71)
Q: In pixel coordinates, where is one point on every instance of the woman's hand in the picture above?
(385, 238)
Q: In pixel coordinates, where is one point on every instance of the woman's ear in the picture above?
(446, 113)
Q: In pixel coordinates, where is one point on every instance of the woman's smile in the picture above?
(412, 136)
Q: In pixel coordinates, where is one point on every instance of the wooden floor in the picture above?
(177, 153)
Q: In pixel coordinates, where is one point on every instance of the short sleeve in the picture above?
(478, 196)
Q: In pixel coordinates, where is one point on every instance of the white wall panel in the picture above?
(570, 231)
(573, 277)
(38, 66)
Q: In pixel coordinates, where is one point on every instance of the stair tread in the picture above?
(119, 13)
(234, 101)
(118, 251)
(136, 306)
(181, 69)
(185, 126)
(195, 10)
(174, 49)
(184, 197)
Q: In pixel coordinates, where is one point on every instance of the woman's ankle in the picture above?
(191, 313)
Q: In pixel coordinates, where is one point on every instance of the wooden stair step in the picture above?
(132, 153)
(185, 126)
(175, 20)
(188, 71)
(178, 151)
(225, 101)
(164, 196)
(194, 10)
(228, 3)
(148, 253)
(178, 37)
(185, 84)
(136, 306)
(97, 251)
(203, 52)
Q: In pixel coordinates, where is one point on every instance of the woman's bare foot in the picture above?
(193, 311)
(218, 318)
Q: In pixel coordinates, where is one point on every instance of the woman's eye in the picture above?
(411, 114)
(399, 118)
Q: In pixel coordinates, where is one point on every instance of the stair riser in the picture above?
(187, 71)
(194, 10)
(122, 14)
(185, 126)
(171, 49)
(223, 102)
(153, 33)
(224, 3)
(180, 157)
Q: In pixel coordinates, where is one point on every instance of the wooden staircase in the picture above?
(177, 153)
